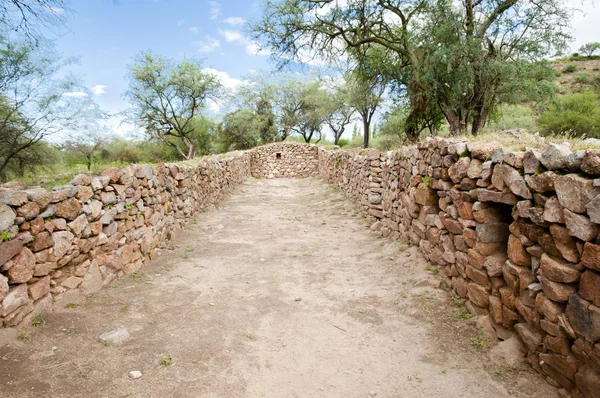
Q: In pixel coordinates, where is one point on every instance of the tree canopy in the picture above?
(167, 96)
(458, 56)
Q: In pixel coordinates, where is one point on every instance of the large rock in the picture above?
(69, 209)
(483, 149)
(7, 217)
(81, 179)
(589, 286)
(508, 353)
(62, 243)
(459, 170)
(591, 162)
(9, 249)
(584, 318)
(555, 156)
(543, 182)
(21, 270)
(16, 297)
(515, 183)
(92, 282)
(558, 292)
(3, 287)
(591, 256)
(565, 243)
(529, 337)
(517, 253)
(593, 209)
(588, 381)
(575, 192)
(426, 196)
(580, 226)
(492, 233)
(558, 271)
(13, 198)
(486, 195)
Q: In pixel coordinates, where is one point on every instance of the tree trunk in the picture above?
(366, 127)
(89, 162)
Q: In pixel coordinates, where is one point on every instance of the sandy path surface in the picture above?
(281, 292)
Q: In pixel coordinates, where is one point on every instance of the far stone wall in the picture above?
(284, 159)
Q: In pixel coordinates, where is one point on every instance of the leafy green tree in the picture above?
(87, 145)
(589, 49)
(239, 130)
(338, 113)
(36, 102)
(456, 55)
(576, 114)
(365, 95)
(258, 96)
(167, 97)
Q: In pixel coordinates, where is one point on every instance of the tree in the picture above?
(166, 97)
(87, 145)
(311, 116)
(338, 113)
(589, 49)
(576, 114)
(258, 96)
(34, 102)
(365, 96)
(454, 55)
(238, 130)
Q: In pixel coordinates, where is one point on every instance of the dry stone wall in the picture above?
(284, 159)
(516, 234)
(60, 245)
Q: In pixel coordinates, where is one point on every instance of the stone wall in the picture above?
(62, 244)
(284, 159)
(516, 234)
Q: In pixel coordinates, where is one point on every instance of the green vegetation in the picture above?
(38, 319)
(165, 360)
(576, 114)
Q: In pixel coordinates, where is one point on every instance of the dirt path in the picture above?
(282, 292)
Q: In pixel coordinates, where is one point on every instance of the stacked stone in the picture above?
(514, 233)
(359, 174)
(284, 159)
(59, 245)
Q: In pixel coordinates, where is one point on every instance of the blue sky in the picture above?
(106, 36)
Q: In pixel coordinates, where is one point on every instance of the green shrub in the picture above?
(509, 116)
(342, 142)
(576, 114)
(569, 68)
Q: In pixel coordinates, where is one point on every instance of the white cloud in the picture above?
(235, 36)
(215, 9)
(234, 21)
(584, 22)
(227, 81)
(194, 30)
(75, 94)
(207, 45)
(180, 22)
(232, 36)
(99, 89)
(56, 10)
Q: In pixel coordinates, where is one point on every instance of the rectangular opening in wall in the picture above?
(278, 155)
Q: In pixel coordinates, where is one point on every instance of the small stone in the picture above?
(211, 304)
(117, 336)
(135, 374)
(297, 299)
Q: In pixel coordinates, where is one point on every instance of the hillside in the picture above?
(576, 74)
